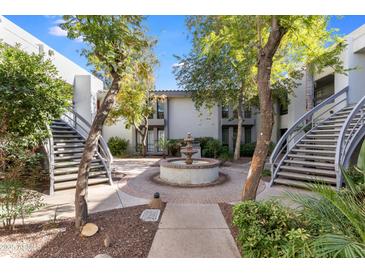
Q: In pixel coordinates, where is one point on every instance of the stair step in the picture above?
(64, 158)
(312, 157)
(75, 169)
(68, 151)
(59, 123)
(68, 146)
(326, 130)
(318, 141)
(72, 163)
(63, 136)
(311, 178)
(64, 132)
(311, 151)
(322, 135)
(308, 163)
(315, 146)
(72, 184)
(59, 127)
(297, 169)
(71, 177)
(56, 141)
(292, 183)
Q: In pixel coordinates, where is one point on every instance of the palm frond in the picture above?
(338, 246)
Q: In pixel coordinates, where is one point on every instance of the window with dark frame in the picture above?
(160, 110)
(324, 88)
(225, 112)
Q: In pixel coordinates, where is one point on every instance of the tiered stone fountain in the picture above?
(189, 171)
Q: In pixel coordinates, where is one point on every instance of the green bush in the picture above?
(212, 149)
(16, 201)
(203, 141)
(174, 146)
(225, 155)
(247, 150)
(267, 229)
(118, 146)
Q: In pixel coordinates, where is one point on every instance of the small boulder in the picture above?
(107, 241)
(89, 230)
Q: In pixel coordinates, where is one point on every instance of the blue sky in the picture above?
(170, 31)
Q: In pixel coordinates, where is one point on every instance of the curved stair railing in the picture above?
(303, 126)
(48, 146)
(82, 126)
(348, 138)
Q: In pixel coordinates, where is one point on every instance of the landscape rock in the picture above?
(89, 230)
(107, 241)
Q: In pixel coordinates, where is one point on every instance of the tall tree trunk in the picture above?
(89, 152)
(239, 127)
(265, 60)
(309, 89)
(144, 141)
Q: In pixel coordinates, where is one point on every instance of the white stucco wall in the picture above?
(118, 129)
(184, 118)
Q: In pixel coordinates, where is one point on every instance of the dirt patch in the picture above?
(227, 213)
(130, 237)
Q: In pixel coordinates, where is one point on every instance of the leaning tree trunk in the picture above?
(91, 143)
(265, 61)
(239, 128)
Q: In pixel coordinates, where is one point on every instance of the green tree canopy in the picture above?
(32, 94)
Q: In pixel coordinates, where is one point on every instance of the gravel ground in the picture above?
(227, 213)
(130, 237)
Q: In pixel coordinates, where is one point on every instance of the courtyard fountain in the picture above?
(190, 171)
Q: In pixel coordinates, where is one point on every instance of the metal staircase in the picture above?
(65, 147)
(321, 141)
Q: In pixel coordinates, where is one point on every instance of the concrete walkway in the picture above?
(193, 231)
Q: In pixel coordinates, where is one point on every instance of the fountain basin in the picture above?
(202, 171)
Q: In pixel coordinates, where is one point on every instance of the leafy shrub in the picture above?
(225, 155)
(247, 150)
(118, 146)
(203, 141)
(174, 146)
(267, 229)
(212, 149)
(16, 201)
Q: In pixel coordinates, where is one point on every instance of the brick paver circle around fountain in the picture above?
(137, 181)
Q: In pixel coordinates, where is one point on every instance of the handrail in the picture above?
(346, 138)
(307, 120)
(48, 146)
(103, 151)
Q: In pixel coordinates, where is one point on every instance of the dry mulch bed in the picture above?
(227, 214)
(130, 237)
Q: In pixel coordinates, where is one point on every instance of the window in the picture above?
(160, 135)
(225, 112)
(324, 88)
(248, 135)
(150, 141)
(225, 136)
(248, 113)
(160, 110)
